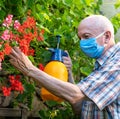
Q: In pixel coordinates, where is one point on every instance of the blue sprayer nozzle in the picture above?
(57, 53)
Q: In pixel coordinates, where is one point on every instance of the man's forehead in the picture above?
(87, 28)
(89, 22)
(88, 25)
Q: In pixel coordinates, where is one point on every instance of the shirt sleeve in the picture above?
(102, 86)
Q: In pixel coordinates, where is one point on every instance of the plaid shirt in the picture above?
(102, 87)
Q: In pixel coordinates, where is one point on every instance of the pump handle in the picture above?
(64, 54)
(58, 40)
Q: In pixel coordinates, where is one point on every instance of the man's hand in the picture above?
(68, 63)
(20, 61)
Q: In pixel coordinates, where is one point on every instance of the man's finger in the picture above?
(17, 50)
(12, 61)
(15, 53)
(12, 56)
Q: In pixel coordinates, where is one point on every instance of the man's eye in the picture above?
(86, 37)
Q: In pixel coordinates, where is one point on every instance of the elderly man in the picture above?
(96, 96)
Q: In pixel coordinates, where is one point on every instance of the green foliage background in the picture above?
(57, 17)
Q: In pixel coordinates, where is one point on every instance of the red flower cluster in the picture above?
(22, 35)
(15, 85)
(18, 34)
(41, 67)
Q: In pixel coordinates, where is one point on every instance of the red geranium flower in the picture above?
(15, 33)
(6, 91)
(41, 67)
(15, 85)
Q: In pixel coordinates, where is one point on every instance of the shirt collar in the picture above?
(108, 54)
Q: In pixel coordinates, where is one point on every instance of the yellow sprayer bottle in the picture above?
(57, 69)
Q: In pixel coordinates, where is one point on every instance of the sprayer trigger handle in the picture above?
(65, 54)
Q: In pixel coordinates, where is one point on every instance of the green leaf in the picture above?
(46, 16)
(51, 103)
(85, 70)
(67, 2)
(44, 114)
(30, 3)
(87, 2)
(117, 4)
(31, 58)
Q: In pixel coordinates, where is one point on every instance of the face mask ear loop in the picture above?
(100, 35)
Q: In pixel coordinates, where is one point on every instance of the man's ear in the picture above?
(107, 37)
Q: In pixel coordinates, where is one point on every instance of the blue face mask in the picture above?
(91, 48)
